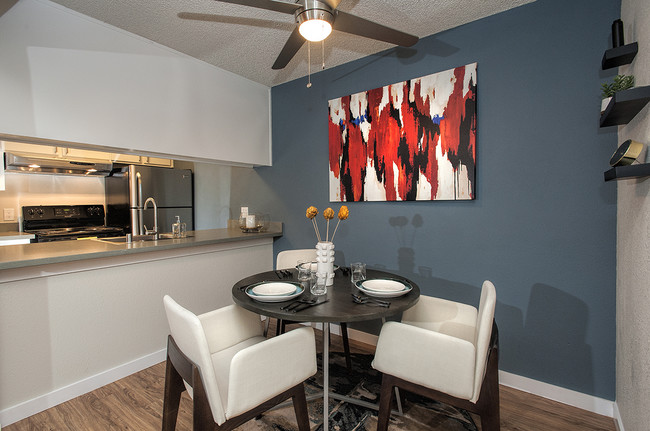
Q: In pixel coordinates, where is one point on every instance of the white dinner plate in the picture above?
(297, 291)
(274, 288)
(384, 287)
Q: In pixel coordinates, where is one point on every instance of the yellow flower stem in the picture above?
(327, 235)
(337, 226)
(316, 229)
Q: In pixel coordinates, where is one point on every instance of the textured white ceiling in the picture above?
(246, 40)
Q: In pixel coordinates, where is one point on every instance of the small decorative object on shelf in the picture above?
(621, 82)
(626, 153)
(618, 37)
(622, 162)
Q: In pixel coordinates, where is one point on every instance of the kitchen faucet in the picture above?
(155, 218)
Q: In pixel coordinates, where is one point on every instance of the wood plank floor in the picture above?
(135, 403)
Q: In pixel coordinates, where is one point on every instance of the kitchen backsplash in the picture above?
(26, 189)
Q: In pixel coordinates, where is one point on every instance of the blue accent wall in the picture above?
(543, 225)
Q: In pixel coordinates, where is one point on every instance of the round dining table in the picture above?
(336, 306)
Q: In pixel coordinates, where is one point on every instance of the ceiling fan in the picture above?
(317, 18)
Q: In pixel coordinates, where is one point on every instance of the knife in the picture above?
(305, 306)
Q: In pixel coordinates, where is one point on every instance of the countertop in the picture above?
(26, 255)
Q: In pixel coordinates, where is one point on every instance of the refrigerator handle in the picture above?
(138, 179)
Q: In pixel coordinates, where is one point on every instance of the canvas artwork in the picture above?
(414, 140)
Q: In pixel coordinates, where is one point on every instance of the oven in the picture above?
(67, 222)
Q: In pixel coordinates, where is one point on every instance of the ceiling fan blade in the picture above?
(290, 49)
(362, 27)
(277, 6)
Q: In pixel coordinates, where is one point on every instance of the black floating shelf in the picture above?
(630, 171)
(619, 56)
(624, 106)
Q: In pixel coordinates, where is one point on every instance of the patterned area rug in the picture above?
(420, 414)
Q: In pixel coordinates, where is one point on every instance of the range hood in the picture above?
(38, 165)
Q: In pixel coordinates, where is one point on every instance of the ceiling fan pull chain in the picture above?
(322, 52)
(308, 64)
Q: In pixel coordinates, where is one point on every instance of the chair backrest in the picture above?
(189, 335)
(289, 258)
(483, 333)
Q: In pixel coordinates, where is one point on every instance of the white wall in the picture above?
(65, 76)
(633, 246)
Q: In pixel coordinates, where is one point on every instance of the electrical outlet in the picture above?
(9, 214)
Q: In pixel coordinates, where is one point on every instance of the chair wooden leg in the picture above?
(385, 402)
(201, 412)
(279, 327)
(300, 408)
(267, 323)
(172, 397)
(488, 403)
(346, 345)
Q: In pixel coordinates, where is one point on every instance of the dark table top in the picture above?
(340, 308)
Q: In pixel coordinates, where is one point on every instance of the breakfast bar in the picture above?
(76, 315)
(29, 255)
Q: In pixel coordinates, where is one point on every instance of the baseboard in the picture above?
(618, 421)
(66, 393)
(566, 396)
(556, 393)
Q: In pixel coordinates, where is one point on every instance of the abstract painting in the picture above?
(414, 140)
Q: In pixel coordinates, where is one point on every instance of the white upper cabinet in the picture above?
(67, 77)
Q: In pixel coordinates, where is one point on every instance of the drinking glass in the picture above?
(358, 270)
(304, 274)
(320, 286)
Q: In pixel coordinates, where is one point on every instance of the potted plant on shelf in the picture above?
(621, 82)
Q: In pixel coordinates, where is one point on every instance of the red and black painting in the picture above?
(414, 140)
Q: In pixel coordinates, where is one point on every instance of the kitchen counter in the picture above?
(29, 255)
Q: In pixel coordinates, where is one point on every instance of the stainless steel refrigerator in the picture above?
(128, 188)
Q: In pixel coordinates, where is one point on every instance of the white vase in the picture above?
(604, 103)
(325, 260)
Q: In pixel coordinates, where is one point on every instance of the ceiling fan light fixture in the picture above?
(315, 24)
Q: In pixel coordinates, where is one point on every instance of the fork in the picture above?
(369, 301)
(297, 303)
(283, 273)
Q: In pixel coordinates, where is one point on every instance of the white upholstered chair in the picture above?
(226, 365)
(289, 259)
(446, 351)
